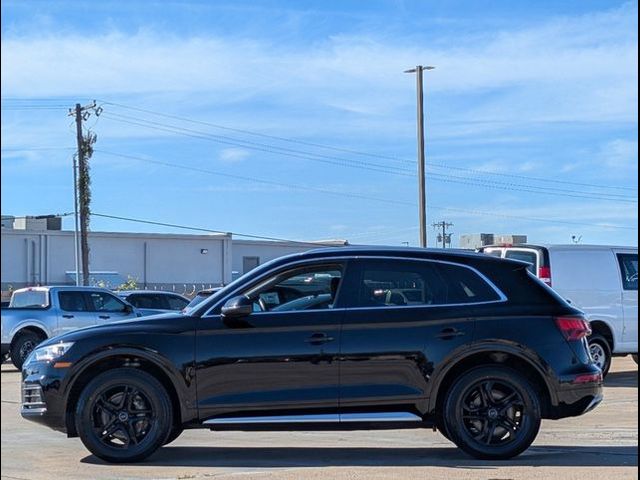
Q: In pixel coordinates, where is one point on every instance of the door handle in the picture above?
(66, 315)
(449, 333)
(319, 339)
(104, 317)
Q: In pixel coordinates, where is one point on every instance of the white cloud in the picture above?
(233, 155)
(621, 155)
(579, 68)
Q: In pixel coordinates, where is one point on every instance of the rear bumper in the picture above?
(573, 400)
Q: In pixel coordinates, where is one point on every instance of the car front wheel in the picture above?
(124, 415)
(492, 412)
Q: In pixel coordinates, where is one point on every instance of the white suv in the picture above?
(601, 280)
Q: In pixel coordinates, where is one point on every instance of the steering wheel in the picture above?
(263, 304)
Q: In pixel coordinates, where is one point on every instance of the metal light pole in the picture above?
(422, 207)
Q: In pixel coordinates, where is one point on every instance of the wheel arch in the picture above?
(33, 327)
(601, 327)
(493, 354)
(130, 358)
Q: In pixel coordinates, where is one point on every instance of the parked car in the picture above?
(152, 302)
(200, 297)
(600, 280)
(489, 353)
(37, 313)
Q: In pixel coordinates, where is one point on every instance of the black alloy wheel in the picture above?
(124, 415)
(492, 413)
(22, 346)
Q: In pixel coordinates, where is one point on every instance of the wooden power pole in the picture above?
(83, 182)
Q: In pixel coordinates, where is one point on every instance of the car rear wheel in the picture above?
(22, 346)
(600, 352)
(492, 413)
(124, 415)
(174, 434)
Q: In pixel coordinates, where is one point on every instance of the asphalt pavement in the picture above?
(600, 445)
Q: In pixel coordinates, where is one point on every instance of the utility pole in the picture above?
(82, 194)
(444, 236)
(422, 207)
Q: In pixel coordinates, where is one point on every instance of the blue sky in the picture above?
(227, 107)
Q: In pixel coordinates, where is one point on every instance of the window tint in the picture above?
(176, 303)
(151, 300)
(629, 270)
(464, 285)
(402, 283)
(103, 302)
(529, 257)
(301, 289)
(72, 301)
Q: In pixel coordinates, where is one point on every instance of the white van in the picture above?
(600, 280)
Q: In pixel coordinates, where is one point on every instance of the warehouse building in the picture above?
(37, 252)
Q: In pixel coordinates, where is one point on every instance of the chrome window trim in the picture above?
(501, 296)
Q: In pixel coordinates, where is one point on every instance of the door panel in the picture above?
(281, 359)
(74, 312)
(272, 363)
(388, 354)
(629, 271)
(398, 326)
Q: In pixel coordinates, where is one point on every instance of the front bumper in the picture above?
(42, 399)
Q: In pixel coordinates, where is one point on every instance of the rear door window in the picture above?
(400, 283)
(528, 256)
(72, 301)
(176, 303)
(629, 270)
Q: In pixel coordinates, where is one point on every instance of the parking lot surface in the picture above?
(600, 445)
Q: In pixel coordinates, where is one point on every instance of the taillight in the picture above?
(573, 328)
(544, 274)
(588, 378)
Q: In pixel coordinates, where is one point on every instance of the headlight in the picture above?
(50, 352)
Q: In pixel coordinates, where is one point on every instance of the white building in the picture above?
(182, 263)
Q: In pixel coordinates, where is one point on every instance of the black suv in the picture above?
(345, 338)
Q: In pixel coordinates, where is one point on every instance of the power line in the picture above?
(337, 193)
(379, 168)
(365, 154)
(256, 180)
(208, 230)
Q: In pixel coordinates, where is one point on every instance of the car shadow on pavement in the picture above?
(300, 457)
(622, 379)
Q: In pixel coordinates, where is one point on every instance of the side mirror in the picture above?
(237, 307)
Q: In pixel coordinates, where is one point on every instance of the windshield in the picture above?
(29, 299)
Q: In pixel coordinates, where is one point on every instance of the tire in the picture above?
(600, 351)
(173, 435)
(635, 357)
(442, 427)
(492, 413)
(124, 415)
(22, 346)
